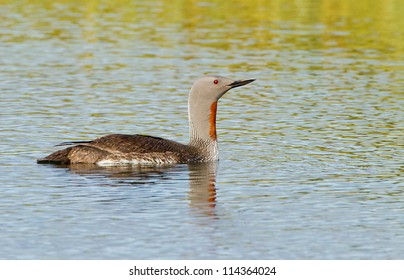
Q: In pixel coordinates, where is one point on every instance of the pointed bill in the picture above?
(240, 83)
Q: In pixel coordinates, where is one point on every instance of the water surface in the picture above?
(311, 153)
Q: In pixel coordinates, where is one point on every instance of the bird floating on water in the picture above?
(118, 149)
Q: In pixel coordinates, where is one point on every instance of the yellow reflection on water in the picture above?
(254, 24)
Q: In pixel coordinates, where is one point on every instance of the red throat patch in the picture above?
(212, 120)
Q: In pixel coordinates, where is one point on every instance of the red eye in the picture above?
(215, 82)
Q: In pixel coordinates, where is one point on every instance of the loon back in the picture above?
(124, 149)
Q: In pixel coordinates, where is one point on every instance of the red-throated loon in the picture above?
(117, 149)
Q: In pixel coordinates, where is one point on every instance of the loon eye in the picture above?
(215, 82)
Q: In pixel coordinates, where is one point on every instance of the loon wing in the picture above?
(121, 148)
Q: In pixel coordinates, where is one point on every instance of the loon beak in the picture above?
(240, 83)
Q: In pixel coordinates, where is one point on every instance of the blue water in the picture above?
(311, 157)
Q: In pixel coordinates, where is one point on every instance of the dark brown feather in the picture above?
(111, 147)
(58, 157)
(125, 143)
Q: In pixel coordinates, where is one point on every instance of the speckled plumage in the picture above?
(126, 149)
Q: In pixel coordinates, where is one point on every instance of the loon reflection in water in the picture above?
(202, 179)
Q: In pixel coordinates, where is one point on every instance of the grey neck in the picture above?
(201, 133)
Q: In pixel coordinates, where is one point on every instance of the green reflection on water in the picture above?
(256, 24)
